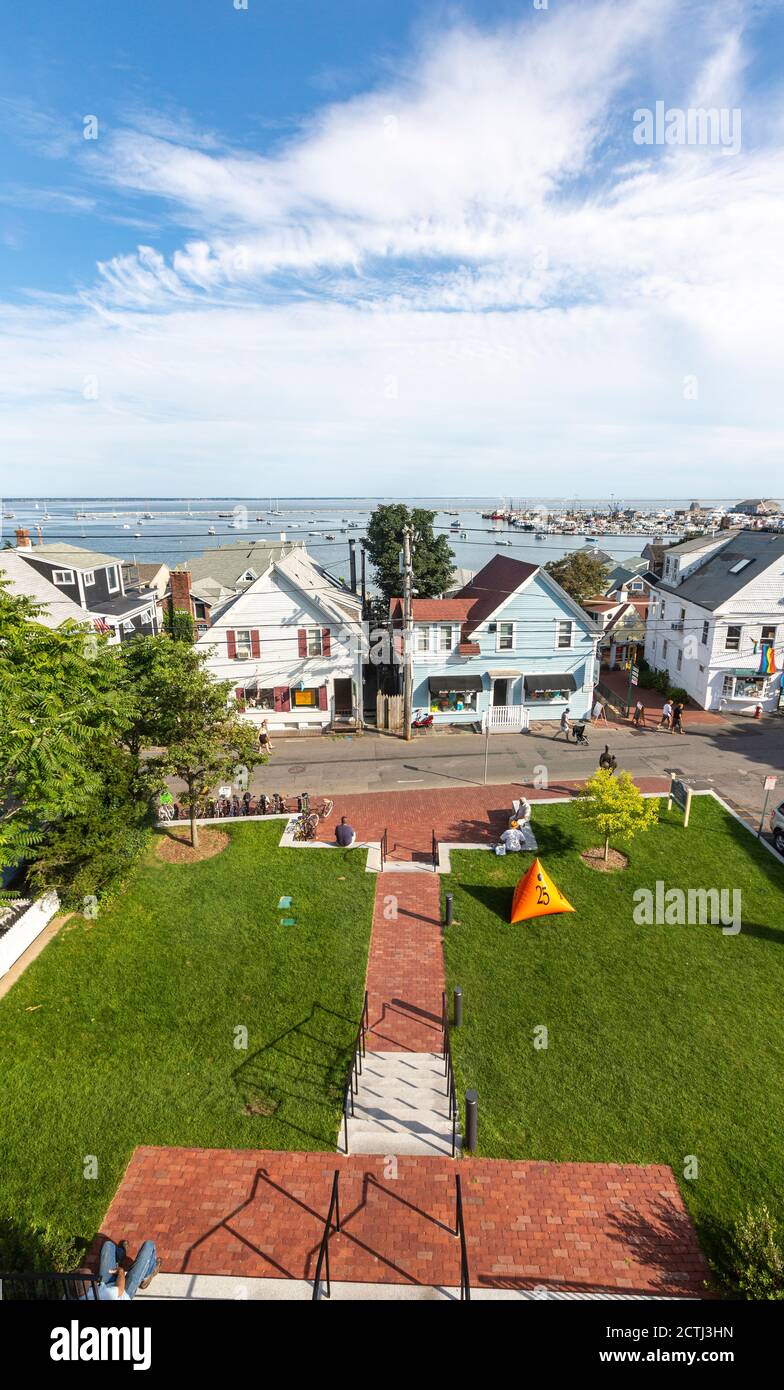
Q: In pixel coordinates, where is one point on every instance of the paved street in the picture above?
(732, 755)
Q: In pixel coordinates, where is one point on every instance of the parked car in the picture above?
(777, 827)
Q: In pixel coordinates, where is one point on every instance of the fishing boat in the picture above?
(329, 538)
(210, 530)
(541, 535)
(8, 516)
(455, 526)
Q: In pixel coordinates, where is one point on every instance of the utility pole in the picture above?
(408, 674)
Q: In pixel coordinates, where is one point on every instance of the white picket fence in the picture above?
(503, 719)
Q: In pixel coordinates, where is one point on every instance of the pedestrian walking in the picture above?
(666, 716)
(638, 718)
(563, 727)
(677, 718)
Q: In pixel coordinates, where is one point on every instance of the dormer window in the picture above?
(89, 578)
(62, 576)
(249, 576)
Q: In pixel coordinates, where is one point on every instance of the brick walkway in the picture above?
(468, 814)
(570, 1226)
(405, 976)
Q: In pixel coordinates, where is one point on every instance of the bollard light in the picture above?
(449, 909)
(472, 1120)
(458, 1013)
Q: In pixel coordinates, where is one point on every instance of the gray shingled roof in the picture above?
(227, 563)
(70, 556)
(26, 579)
(713, 584)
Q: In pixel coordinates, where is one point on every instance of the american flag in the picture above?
(100, 625)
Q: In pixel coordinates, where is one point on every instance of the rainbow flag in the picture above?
(767, 666)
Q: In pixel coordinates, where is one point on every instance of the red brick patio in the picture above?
(568, 1226)
(469, 814)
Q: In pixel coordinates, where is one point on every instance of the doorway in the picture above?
(344, 697)
(500, 692)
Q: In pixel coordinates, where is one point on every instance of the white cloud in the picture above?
(465, 279)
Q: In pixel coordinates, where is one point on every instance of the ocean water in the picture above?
(178, 529)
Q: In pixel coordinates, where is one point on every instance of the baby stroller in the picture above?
(580, 735)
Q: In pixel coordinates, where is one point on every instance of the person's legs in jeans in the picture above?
(107, 1267)
(142, 1267)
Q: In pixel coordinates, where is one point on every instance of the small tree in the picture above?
(432, 559)
(190, 719)
(616, 807)
(582, 575)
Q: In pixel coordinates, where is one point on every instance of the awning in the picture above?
(504, 673)
(746, 675)
(557, 681)
(443, 685)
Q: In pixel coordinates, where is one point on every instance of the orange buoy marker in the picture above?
(537, 896)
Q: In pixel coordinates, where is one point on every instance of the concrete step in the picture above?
(392, 1114)
(380, 1141)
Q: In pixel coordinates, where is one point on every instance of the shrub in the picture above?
(678, 693)
(756, 1257)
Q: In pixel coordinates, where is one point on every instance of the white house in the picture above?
(716, 621)
(291, 645)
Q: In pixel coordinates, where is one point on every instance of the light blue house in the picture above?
(512, 643)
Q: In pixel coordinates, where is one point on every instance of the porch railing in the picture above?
(501, 718)
(449, 1072)
(355, 1069)
(323, 1255)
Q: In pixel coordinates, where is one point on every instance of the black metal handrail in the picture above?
(355, 1069)
(449, 1072)
(465, 1279)
(434, 852)
(323, 1256)
(53, 1288)
(384, 848)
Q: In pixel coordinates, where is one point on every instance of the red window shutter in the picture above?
(323, 697)
(239, 691)
(282, 698)
(302, 638)
(231, 642)
(255, 643)
(326, 645)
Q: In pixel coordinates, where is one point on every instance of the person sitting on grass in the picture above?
(114, 1283)
(512, 839)
(344, 833)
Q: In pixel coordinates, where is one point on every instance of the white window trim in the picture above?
(128, 625)
(506, 622)
(422, 630)
(89, 578)
(559, 646)
(62, 576)
(311, 627)
(113, 587)
(442, 628)
(739, 627)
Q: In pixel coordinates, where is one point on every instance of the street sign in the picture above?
(635, 674)
(770, 783)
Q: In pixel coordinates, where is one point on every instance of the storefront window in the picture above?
(545, 695)
(453, 701)
(744, 688)
(256, 698)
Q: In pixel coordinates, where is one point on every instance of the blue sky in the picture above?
(389, 247)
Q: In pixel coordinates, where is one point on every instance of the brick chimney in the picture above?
(23, 541)
(180, 586)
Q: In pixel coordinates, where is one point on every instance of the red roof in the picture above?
(500, 578)
(434, 610)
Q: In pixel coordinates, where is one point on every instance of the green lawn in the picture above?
(123, 1031)
(664, 1041)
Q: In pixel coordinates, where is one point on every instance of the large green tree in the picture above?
(63, 713)
(191, 721)
(582, 575)
(432, 558)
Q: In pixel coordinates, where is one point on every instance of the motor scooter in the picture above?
(422, 719)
